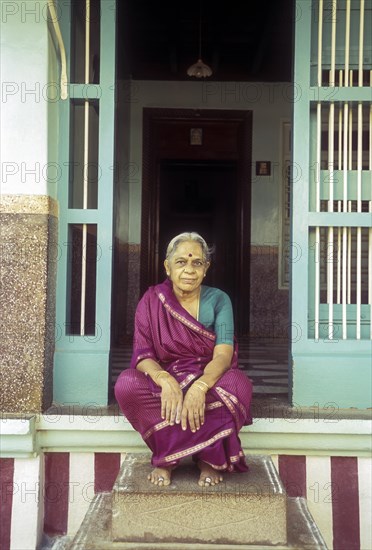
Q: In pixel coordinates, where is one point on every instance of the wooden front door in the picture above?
(201, 196)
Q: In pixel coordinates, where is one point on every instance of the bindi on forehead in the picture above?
(190, 255)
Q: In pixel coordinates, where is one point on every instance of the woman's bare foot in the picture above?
(208, 475)
(160, 476)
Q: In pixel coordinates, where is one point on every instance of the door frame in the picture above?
(151, 189)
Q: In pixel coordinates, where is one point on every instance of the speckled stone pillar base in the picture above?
(28, 261)
(269, 305)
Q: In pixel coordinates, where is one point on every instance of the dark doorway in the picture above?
(204, 187)
(201, 196)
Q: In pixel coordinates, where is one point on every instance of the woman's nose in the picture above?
(189, 268)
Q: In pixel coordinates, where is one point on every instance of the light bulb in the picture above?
(199, 70)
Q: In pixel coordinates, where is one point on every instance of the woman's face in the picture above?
(186, 268)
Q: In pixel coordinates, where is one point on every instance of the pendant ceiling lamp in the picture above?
(199, 69)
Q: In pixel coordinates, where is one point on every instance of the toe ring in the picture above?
(160, 478)
(207, 480)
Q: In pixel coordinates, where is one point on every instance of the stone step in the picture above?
(246, 511)
(95, 532)
(246, 508)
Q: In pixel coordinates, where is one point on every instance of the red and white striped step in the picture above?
(53, 492)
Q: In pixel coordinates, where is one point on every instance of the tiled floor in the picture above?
(264, 361)
(266, 364)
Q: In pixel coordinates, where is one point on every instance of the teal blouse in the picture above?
(216, 314)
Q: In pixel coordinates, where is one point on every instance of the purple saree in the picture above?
(165, 332)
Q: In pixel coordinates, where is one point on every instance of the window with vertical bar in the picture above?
(84, 166)
(335, 14)
(331, 254)
(340, 254)
(342, 279)
(86, 17)
(81, 279)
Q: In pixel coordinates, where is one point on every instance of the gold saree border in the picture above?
(213, 405)
(186, 380)
(199, 447)
(156, 428)
(185, 321)
(233, 459)
(227, 397)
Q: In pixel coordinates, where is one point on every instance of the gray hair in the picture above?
(185, 237)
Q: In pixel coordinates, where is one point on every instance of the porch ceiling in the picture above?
(242, 40)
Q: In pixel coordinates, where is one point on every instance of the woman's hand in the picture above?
(193, 408)
(171, 399)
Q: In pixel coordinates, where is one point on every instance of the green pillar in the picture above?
(329, 373)
(81, 370)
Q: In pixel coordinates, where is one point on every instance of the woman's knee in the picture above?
(128, 384)
(239, 380)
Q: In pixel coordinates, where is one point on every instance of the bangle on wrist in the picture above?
(202, 385)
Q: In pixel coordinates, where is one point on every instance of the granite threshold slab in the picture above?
(135, 509)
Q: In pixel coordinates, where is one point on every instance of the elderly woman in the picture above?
(184, 392)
